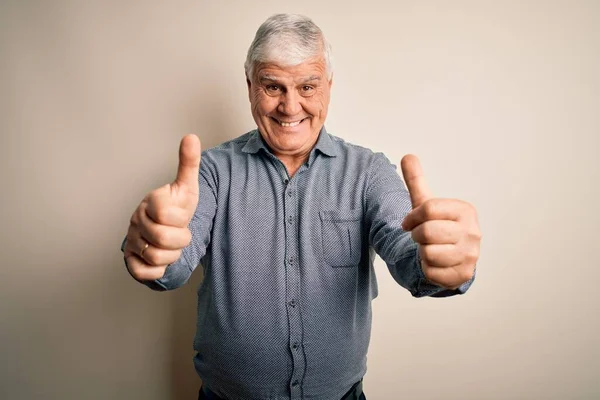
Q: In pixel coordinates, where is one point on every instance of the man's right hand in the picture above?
(158, 229)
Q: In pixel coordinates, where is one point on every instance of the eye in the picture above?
(273, 88)
(307, 90)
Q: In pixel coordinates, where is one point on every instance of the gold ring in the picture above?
(144, 249)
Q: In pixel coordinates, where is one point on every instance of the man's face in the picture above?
(289, 104)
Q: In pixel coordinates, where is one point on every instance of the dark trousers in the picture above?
(355, 393)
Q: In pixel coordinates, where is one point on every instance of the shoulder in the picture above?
(358, 154)
(217, 163)
(229, 147)
(227, 152)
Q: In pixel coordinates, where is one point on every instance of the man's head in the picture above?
(289, 74)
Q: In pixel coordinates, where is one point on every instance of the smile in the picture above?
(289, 124)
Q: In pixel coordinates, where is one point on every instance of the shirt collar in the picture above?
(254, 143)
(324, 144)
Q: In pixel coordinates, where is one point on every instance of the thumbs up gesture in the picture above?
(158, 229)
(447, 230)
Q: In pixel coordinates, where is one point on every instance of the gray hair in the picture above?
(288, 39)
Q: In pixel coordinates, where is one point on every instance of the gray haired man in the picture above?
(285, 221)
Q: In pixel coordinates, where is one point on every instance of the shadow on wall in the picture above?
(184, 380)
(185, 383)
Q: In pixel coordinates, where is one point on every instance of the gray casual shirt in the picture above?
(284, 310)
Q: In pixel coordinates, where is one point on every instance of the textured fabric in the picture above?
(355, 393)
(284, 310)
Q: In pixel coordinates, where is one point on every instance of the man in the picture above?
(285, 221)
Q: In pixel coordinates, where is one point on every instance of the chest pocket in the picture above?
(341, 236)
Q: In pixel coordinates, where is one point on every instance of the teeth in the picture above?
(290, 124)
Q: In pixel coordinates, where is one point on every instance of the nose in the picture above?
(289, 103)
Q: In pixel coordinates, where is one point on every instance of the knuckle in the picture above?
(473, 234)
(161, 214)
(127, 251)
(152, 256)
(133, 265)
(161, 236)
(429, 208)
(151, 205)
(426, 230)
(134, 220)
(138, 214)
(473, 254)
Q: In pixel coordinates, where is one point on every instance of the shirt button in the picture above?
(291, 260)
(286, 181)
(292, 303)
(295, 383)
(290, 219)
(295, 346)
(290, 193)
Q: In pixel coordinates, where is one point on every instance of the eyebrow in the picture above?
(273, 78)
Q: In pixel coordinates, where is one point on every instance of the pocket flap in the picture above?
(340, 215)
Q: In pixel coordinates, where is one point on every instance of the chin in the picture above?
(288, 142)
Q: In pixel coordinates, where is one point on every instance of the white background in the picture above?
(500, 100)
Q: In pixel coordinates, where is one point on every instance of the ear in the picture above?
(330, 81)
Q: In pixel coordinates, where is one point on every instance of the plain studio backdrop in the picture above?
(500, 100)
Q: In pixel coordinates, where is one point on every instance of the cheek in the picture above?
(319, 104)
(318, 107)
(263, 104)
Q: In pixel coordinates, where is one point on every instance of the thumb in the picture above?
(415, 180)
(189, 163)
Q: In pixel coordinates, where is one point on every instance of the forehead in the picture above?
(312, 69)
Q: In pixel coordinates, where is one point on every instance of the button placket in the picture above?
(292, 290)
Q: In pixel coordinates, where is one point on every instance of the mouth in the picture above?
(289, 124)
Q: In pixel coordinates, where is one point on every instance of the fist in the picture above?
(447, 230)
(158, 228)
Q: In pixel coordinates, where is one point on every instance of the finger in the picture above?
(153, 256)
(136, 244)
(437, 232)
(415, 180)
(142, 271)
(189, 163)
(450, 278)
(434, 209)
(162, 236)
(141, 245)
(148, 255)
(440, 255)
(161, 210)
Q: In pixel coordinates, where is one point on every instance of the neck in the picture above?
(292, 163)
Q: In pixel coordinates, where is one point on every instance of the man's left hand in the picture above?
(447, 230)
